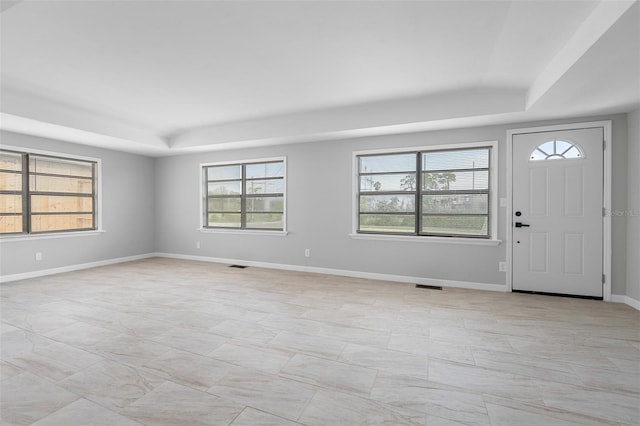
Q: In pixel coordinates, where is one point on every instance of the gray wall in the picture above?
(152, 205)
(128, 213)
(633, 207)
(319, 211)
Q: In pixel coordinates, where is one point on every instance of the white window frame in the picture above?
(62, 234)
(493, 196)
(203, 197)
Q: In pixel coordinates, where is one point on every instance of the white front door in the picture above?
(557, 240)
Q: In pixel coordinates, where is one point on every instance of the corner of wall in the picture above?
(632, 213)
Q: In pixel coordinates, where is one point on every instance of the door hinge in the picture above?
(604, 278)
(604, 145)
(604, 212)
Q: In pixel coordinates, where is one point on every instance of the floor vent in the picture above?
(238, 266)
(429, 287)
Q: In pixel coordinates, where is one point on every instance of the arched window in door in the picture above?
(556, 150)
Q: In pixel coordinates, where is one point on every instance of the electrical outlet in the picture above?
(38, 256)
(307, 252)
(197, 244)
(502, 266)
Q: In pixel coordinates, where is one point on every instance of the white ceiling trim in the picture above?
(366, 117)
(33, 109)
(27, 126)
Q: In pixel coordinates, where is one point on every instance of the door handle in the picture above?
(521, 225)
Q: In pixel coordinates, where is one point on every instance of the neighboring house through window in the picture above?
(46, 193)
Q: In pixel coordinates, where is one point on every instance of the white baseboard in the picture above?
(620, 298)
(70, 268)
(616, 298)
(341, 272)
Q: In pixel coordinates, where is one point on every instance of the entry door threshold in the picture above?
(573, 296)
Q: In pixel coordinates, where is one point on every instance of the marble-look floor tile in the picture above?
(354, 320)
(505, 416)
(593, 402)
(134, 325)
(18, 342)
(423, 345)
(626, 349)
(541, 412)
(465, 337)
(7, 370)
(279, 322)
(27, 398)
(439, 421)
(307, 344)
(129, 349)
(191, 340)
(276, 395)
(490, 382)
(202, 321)
(253, 417)
(75, 309)
(385, 360)
(421, 326)
(174, 404)
(42, 356)
(330, 374)
(236, 312)
(250, 332)
(430, 398)
(334, 408)
(515, 328)
(632, 366)
(196, 371)
(357, 344)
(609, 379)
(6, 328)
(357, 335)
(83, 412)
(81, 334)
(261, 359)
(37, 322)
(568, 353)
(14, 293)
(111, 384)
(524, 365)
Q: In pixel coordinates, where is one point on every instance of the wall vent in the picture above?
(238, 266)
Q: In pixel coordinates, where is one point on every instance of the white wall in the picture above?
(632, 213)
(319, 211)
(127, 214)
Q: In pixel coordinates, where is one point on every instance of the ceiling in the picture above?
(167, 77)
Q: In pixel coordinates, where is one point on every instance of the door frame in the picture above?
(606, 217)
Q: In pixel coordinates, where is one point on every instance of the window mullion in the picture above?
(243, 199)
(206, 196)
(418, 202)
(489, 193)
(26, 197)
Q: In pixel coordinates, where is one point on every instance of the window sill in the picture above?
(437, 240)
(30, 237)
(243, 232)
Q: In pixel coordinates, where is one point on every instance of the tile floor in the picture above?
(171, 342)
